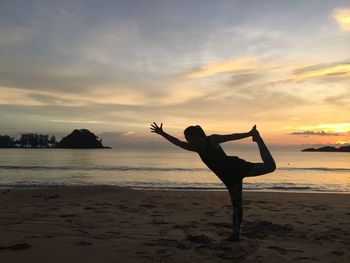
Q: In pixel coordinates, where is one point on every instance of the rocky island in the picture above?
(81, 139)
(328, 149)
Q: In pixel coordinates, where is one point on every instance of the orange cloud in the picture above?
(342, 15)
(103, 95)
(342, 70)
(180, 93)
(343, 142)
(224, 66)
(313, 72)
(274, 72)
(328, 127)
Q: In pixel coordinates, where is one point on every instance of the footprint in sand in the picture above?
(51, 197)
(307, 258)
(210, 213)
(337, 253)
(16, 247)
(90, 208)
(262, 229)
(203, 239)
(83, 243)
(148, 206)
(284, 250)
(67, 215)
(156, 221)
(225, 225)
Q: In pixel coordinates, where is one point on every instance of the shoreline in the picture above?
(247, 190)
(171, 189)
(109, 223)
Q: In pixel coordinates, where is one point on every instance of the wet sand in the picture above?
(112, 224)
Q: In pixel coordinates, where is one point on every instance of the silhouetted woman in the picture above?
(230, 169)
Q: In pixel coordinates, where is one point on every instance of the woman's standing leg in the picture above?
(237, 216)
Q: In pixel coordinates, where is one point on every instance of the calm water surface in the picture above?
(297, 171)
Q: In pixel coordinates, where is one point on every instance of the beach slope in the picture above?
(113, 224)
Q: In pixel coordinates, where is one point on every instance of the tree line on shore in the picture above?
(28, 140)
(78, 139)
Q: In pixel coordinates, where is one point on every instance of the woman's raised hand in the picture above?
(157, 129)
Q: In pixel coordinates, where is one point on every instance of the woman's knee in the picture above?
(271, 166)
(262, 168)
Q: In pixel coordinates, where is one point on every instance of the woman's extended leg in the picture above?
(268, 165)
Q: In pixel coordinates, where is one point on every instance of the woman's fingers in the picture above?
(155, 128)
(155, 125)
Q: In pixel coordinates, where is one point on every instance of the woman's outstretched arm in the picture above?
(232, 137)
(159, 130)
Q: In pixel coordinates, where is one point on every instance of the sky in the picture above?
(116, 66)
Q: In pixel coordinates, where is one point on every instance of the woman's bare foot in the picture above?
(255, 134)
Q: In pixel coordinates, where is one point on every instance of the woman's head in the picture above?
(195, 135)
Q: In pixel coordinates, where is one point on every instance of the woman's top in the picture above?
(230, 169)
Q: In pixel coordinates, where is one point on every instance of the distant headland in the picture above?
(81, 139)
(77, 139)
(328, 149)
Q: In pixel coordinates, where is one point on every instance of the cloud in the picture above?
(119, 94)
(316, 72)
(341, 99)
(76, 121)
(224, 67)
(339, 70)
(109, 43)
(99, 95)
(11, 34)
(342, 16)
(253, 72)
(317, 133)
(342, 142)
(326, 127)
(244, 79)
(9, 96)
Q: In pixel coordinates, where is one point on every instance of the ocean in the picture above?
(296, 171)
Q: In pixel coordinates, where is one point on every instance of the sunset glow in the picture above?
(343, 18)
(338, 127)
(225, 65)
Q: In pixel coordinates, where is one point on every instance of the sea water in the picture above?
(296, 171)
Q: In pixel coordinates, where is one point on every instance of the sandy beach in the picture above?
(113, 224)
